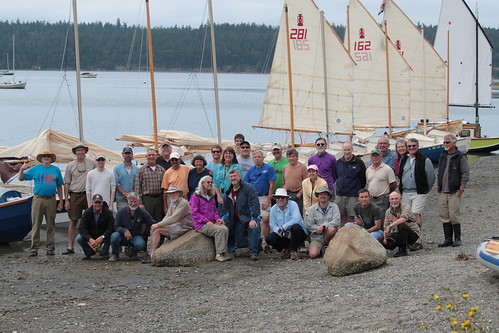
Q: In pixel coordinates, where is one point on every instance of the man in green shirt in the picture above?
(278, 163)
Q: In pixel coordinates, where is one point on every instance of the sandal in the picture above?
(68, 251)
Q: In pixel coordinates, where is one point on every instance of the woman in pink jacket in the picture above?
(205, 217)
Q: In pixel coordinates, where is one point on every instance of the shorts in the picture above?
(415, 201)
(319, 242)
(176, 230)
(345, 204)
(262, 199)
(77, 204)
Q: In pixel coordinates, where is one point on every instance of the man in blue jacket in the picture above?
(242, 215)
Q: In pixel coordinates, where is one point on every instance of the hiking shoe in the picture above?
(254, 257)
(415, 246)
(68, 251)
(285, 253)
(400, 253)
(293, 255)
(129, 251)
(33, 253)
(267, 249)
(221, 257)
(146, 259)
(50, 252)
(113, 257)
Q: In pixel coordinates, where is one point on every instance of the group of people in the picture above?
(243, 202)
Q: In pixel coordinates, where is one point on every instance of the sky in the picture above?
(193, 12)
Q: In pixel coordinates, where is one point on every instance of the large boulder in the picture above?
(189, 249)
(352, 251)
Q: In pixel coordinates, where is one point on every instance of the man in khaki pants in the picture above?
(48, 182)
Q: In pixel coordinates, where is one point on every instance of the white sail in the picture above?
(308, 75)
(428, 78)
(462, 50)
(366, 43)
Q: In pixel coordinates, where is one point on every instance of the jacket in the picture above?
(203, 210)
(247, 203)
(455, 171)
(316, 218)
(350, 177)
(89, 228)
(424, 182)
(178, 212)
(126, 222)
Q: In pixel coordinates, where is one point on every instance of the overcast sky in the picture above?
(193, 12)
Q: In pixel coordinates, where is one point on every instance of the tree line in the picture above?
(243, 47)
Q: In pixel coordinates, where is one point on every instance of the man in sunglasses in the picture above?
(48, 183)
(101, 181)
(177, 176)
(216, 154)
(417, 176)
(125, 173)
(245, 159)
(325, 162)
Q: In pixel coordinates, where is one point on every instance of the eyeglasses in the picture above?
(209, 182)
(412, 146)
(216, 151)
(245, 147)
(447, 142)
(320, 144)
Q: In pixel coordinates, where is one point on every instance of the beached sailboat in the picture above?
(13, 84)
(462, 42)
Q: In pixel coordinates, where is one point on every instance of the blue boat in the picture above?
(15, 216)
(487, 253)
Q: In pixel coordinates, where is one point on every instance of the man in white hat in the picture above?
(177, 175)
(75, 179)
(101, 181)
(164, 158)
(323, 221)
(177, 221)
(48, 183)
(288, 230)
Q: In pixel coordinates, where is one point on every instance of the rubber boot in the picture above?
(448, 235)
(457, 235)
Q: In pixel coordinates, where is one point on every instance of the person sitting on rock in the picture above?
(128, 225)
(401, 228)
(323, 221)
(286, 223)
(205, 217)
(177, 221)
(367, 215)
(95, 229)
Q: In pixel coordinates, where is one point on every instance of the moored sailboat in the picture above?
(12, 84)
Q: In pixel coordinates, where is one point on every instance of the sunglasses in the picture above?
(100, 159)
(279, 198)
(216, 151)
(173, 159)
(320, 144)
(46, 156)
(245, 147)
(412, 146)
(447, 142)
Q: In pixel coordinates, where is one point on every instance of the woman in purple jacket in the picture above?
(205, 217)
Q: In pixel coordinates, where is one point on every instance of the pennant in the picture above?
(382, 7)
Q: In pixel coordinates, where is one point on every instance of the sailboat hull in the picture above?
(11, 85)
(15, 220)
(484, 145)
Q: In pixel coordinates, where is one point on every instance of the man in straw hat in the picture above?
(323, 221)
(288, 230)
(48, 182)
(75, 179)
(177, 221)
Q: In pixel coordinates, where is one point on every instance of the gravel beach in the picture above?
(64, 294)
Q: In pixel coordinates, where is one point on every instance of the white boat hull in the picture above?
(487, 257)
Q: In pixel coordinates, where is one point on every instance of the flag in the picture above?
(382, 7)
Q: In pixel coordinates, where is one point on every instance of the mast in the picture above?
(290, 81)
(477, 117)
(425, 121)
(13, 57)
(388, 83)
(448, 77)
(215, 72)
(77, 60)
(151, 74)
(324, 64)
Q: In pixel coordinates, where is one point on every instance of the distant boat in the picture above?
(88, 75)
(15, 215)
(12, 84)
(487, 254)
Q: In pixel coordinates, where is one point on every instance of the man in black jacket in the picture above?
(95, 228)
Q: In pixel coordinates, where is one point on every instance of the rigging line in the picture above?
(267, 64)
(203, 48)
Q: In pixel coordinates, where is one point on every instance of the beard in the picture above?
(133, 207)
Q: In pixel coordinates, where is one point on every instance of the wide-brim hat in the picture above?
(323, 189)
(46, 152)
(281, 192)
(173, 189)
(79, 145)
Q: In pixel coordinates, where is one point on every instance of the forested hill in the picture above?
(103, 46)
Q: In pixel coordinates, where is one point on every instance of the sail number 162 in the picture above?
(362, 51)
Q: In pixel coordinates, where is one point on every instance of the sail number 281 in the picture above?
(362, 51)
(299, 38)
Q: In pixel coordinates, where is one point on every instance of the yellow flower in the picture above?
(438, 307)
(466, 323)
(465, 295)
(437, 297)
(475, 308)
(448, 306)
(454, 322)
(471, 314)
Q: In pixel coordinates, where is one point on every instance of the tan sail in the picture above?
(428, 79)
(366, 42)
(308, 75)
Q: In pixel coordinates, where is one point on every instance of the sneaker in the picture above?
(285, 253)
(68, 251)
(221, 257)
(400, 253)
(33, 253)
(146, 259)
(294, 255)
(254, 257)
(415, 246)
(267, 249)
(50, 252)
(129, 251)
(113, 257)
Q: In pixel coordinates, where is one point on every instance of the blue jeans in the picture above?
(246, 237)
(378, 234)
(88, 250)
(118, 240)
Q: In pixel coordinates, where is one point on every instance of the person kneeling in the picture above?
(95, 229)
(323, 221)
(401, 228)
(288, 230)
(205, 217)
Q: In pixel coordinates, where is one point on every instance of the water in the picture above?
(118, 103)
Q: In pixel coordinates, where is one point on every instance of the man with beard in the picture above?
(124, 174)
(128, 225)
(178, 176)
(75, 179)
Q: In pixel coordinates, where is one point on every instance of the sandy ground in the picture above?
(65, 294)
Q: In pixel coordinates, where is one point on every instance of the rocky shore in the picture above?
(65, 294)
